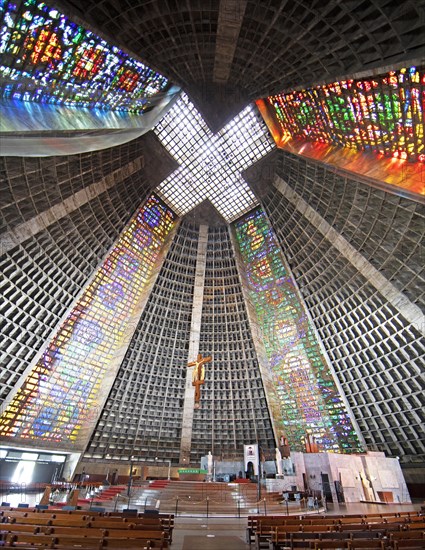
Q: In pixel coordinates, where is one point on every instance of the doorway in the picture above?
(326, 488)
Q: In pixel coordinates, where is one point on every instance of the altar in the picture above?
(192, 474)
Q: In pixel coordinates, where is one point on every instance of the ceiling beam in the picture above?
(230, 19)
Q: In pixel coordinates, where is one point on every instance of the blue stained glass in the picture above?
(306, 392)
(58, 397)
(70, 64)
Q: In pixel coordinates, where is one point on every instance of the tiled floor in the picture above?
(210, 534)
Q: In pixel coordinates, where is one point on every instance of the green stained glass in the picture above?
(383, 114)
(309, 400)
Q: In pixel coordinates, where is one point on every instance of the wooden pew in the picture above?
(409, 544)
(124, 522)
(394, 519)
(263, 534)
(16, 514)
(26, 521)
(74, 542)
(141, 544)
(281, 540)
(13, 527)
(384, 527)
(102, 524)
(416, 526)
(355, 531)
(66, 522)
(367, 544)
(356, 517)
(20, 539)
(411, 534)
(274, 535)
(252, 522)
(347, 527)
(120, 539)
(58, 531)
(263, 525)
(157, 538)
(168, 531)
(350, 520)
(62, 512)
(260, 527)
(319, 528)
(46, 515)
(327, 544)
(142, 524)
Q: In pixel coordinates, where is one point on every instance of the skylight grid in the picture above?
(180, 190)
(211, 164)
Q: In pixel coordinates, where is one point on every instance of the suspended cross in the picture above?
(198, 376)
(211, 164)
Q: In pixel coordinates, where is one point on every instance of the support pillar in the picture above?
(195, 332)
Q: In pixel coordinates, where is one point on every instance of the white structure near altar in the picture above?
(367, 477)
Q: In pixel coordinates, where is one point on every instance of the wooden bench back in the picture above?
(397, 535)
(151, 540)
(12, 527)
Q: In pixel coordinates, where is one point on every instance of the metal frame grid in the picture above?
(211, 164)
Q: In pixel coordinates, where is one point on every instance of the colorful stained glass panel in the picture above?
(60, 395)
(383, 114)
(310, 403)
(47, 58)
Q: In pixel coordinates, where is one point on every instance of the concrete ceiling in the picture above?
(224, 53)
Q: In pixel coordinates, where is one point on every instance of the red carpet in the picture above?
(158, 484)
(106, 495)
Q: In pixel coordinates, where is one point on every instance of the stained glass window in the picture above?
(47, 58)
(307, 394)
(382, 114)
(60, 395)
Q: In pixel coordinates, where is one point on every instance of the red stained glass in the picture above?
(89, 63)
(127, 80)
(47, 48)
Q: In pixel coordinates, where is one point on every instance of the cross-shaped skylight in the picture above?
(211, 164)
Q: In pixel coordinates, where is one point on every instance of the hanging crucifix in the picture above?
(198, 376)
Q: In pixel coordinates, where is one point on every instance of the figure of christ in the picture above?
(198, 375)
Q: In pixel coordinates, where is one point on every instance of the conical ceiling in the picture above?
(206, 214)
(359, 272)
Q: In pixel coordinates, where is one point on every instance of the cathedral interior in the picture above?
(234, 179)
